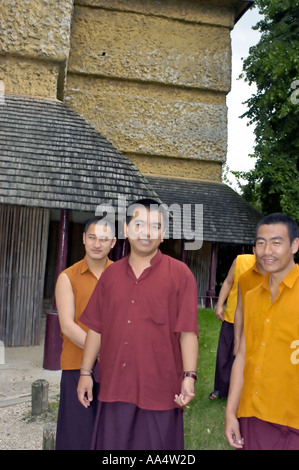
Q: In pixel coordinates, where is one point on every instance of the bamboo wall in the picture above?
(23, 251)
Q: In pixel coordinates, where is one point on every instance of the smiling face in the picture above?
(274, 249)
(145, 231)
(98, 241)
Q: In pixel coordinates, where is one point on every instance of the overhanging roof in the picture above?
(227, 217)
(51, 157)
(242, 8)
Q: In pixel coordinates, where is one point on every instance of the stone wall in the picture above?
(35, 41)
(151, 76)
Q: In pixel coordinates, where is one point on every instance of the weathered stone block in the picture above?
(152, 120)
(39, 28)
(29, 77)
(150, 48)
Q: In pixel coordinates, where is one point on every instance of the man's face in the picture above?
(145, 231)
(273, 248)
(98, 241)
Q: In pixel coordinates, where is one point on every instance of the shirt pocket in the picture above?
(155, 315)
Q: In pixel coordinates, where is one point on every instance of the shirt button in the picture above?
(132, 301)
(124, 364)
(129, 321)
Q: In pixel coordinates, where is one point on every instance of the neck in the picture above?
(139, 263)
(96, 266)
(276, 278)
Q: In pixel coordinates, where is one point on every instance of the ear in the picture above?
(295, 246)
(125, 230)
(162, 235)
(84, 237)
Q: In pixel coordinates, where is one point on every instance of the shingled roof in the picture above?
(227, 217)
(52, 158)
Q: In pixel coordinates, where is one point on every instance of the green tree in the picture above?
(273, 65)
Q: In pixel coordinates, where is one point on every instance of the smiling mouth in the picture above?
(269, 260)
(144, 241)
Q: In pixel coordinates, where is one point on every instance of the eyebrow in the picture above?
(145, 221)
(272, 238)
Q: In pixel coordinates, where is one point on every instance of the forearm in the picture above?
(232, 427)
(91, 349)
(236, 385)
(74, 333)
(189, 349)
(223, 294)
(238, 323)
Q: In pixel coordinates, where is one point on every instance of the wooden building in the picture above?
(54, 167)
(103, 98)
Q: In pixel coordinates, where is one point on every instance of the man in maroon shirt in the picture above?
(143, 319)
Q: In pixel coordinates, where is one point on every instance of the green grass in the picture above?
(204, 418)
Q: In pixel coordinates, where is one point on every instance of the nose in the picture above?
(97, 242)
(268, 248)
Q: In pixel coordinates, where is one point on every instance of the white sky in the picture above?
(240, 136)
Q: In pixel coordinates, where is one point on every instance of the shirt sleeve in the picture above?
(91, 315)
(187, 318)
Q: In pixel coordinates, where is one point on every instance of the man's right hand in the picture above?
(232, 431)
(84, 390)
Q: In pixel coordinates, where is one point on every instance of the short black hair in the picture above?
(149, 204)
(280, 218)
(95, 220)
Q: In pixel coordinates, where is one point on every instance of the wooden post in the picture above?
(49, 434)
(53, 340)
(211, 294)
(39, 397)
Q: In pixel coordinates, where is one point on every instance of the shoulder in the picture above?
(245, 261)
(176, 266)
(75, 268)
(113, 268)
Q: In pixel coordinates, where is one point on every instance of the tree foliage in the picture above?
(273, 65)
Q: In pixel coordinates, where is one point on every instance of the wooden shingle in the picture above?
(227, 217)
(52, 158)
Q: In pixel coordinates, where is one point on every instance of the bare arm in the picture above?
(224, 291)
(65, 302)
(189, 348)
(238, 322)
(232, 429)
(90, 353)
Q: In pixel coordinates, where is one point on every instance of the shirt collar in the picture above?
(288, 281)
(154, 262)
(85, 266)
(291, 277)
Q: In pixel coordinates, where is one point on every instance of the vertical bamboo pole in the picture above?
(53, 340)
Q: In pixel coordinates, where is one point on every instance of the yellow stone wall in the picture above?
(35, 41)
(151, 76)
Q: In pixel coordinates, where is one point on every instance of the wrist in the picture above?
(192, 374)
(89, 371)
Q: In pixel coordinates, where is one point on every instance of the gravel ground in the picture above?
(19, 431)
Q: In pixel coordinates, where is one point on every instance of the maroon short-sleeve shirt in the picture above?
(140, 321)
